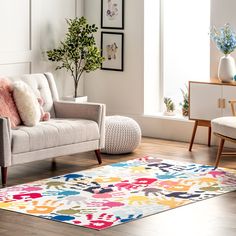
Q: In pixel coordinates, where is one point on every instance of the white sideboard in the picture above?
(209, 100)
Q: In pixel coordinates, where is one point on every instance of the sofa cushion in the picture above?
(7, 104)
(27, 103)
(43, 86)
(52, 133)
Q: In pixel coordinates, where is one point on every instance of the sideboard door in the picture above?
(204, 101)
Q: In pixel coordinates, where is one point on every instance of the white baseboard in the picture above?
(171, 128)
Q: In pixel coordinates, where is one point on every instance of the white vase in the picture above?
(226, 69)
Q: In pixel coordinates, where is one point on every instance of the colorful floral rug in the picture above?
(110, 195)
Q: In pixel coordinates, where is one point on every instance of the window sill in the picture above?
(160, 115)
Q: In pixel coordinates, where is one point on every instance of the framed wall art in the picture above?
(112, 14)
(112, 49)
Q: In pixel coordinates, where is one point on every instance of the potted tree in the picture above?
(78, 52)
(170, 107)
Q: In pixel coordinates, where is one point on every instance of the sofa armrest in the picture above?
(5, 142)
(89, 111)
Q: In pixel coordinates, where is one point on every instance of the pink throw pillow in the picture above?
(7, 104)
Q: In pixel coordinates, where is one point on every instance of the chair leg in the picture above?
(220, 149)
(193, 135)
(98, 155)
(4, 176)
(209, 136)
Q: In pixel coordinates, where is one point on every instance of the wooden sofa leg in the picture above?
(4, 176)
(98, 155)
(219, 152)
(54, 164)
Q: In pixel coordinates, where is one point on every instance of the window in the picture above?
(177, 48)
(152, 42)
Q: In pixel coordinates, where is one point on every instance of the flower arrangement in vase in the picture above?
(225, 40)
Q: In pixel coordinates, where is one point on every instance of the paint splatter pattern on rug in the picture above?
(110, 195)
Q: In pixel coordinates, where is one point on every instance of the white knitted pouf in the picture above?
(122, 135)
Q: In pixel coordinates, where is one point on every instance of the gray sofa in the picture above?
(73, 128)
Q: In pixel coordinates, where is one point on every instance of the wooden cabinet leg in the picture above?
(209, 136)
(193, 135)
(220, 149)
(4, 176)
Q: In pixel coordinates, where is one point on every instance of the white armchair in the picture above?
(225, 129)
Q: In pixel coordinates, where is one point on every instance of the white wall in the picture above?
(222, 12)
(41, 24)
(122, 92)
(29, 27)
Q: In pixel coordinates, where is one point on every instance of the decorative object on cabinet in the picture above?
(185, 104)
(207, 101)
(226, 69)
(112, 50)
(112, 14)
(170, 107)
(225, 129)
(78, 53)
(225, 40)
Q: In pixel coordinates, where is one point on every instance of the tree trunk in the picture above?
(76, 82)
(76, 88)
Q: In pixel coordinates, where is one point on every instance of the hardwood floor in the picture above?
(215, 216)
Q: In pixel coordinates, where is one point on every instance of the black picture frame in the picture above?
(112, 48)
(112, 14)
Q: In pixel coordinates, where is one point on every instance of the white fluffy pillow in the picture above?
(26, 103)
